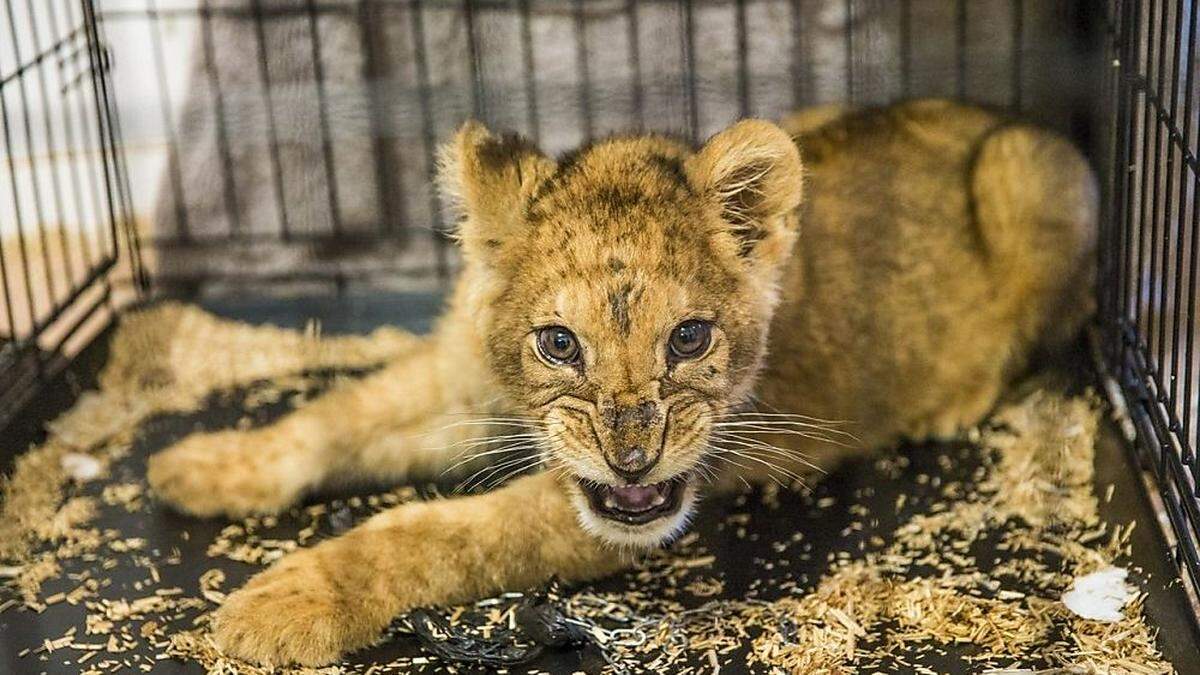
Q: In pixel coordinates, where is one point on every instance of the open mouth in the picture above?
(636, 504)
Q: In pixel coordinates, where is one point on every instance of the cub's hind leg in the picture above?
(1036, 206)
(400, 422)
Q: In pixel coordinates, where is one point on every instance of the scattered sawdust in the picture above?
(154, 368)
(925, 590)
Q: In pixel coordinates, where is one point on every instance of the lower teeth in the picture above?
(658, 500)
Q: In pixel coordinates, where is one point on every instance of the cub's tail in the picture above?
(1036, 205)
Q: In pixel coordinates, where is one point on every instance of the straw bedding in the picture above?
(973, 568)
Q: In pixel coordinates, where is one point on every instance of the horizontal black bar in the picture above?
(1162, 422)
(337, 278)
(604, 9)
(1183, 522)
(42, 57)
(1167, 119)
(221, 241)
(61, 307)
(33, 368)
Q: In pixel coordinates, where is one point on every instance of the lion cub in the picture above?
(647, 316)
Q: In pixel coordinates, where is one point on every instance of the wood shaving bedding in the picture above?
(921, 591)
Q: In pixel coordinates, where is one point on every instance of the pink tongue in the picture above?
(634, 497)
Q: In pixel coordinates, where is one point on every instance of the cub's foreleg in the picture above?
(403, 421)
(317, 604)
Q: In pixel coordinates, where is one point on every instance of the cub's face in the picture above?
(624, 296)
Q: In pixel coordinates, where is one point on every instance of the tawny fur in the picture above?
(939, 245)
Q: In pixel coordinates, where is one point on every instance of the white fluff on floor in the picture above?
(1101, 595)
(81, 467)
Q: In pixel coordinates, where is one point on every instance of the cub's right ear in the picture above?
(486, 181)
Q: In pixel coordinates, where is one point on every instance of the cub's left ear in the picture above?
(752, 170)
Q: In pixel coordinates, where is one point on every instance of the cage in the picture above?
(273, 160)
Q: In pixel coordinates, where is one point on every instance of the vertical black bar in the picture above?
(478, 93)
(530, 81)
(87, 118)
(1130, 71)
(214, 82)
(1172, 382)
(1189, 387)
(34, 183)
(689, 69)
(585, 73)
(389, 183)
(52, 154)
(5, 283)
(174, 173)
(849, 37)
(798, 38)
(1109, 250)
(96, 71)
(11, 326)
(264, 75)
(72, 149)
(5, 125)
(635, 63)
(314, 31)
(425, 92)
(1018, 61)
(1155, 279)
(960, 49)
(38, 213)
(1124, 169)
(743, 61)
(906, 48)
(1146, 166)
(112, 117)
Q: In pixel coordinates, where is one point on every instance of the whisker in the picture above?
(484, 472)
(517, 421)
(792, 432)
(494, 469)
(783, 428)
(514, 447)
(770, 465)
(524, 424)
(781, 453)
(519, 468)
(724, 458)
(731, 413)
(721, 456)
(488, 440)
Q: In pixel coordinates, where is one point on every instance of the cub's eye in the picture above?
(558, 345)
(690, 338)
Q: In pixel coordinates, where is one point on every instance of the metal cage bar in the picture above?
(1149, 251)
(239, 102)
(64, 209)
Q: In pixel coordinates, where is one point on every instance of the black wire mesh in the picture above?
(64, 205)
(1149, 250)
(301, 135)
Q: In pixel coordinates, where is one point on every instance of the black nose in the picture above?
(633, 463)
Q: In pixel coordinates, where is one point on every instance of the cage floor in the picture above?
(763, 545)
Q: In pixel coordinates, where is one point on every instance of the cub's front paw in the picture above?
(227, 473)
(292, 614)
